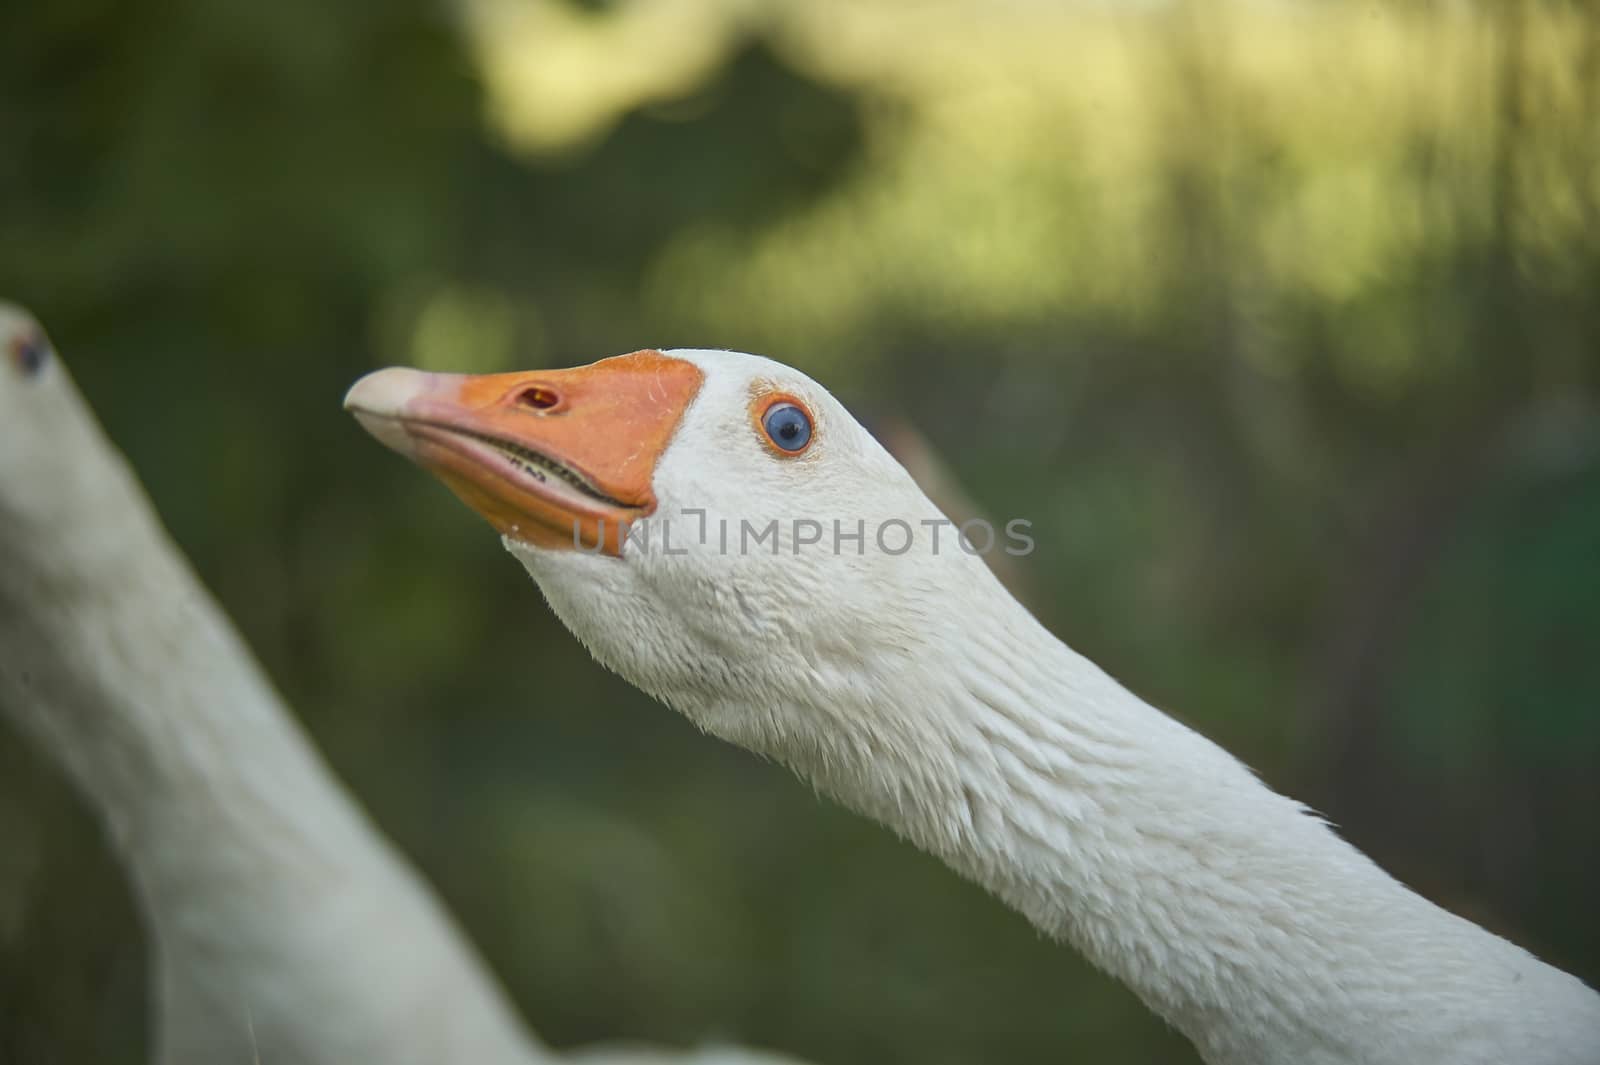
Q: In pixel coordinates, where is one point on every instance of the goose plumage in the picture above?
(904, 681)
(282, 927)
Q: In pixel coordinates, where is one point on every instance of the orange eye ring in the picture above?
(784, 423)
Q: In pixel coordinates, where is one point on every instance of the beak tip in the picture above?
(385, 392)
(379, 401)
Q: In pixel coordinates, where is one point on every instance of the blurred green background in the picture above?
(1281, 321)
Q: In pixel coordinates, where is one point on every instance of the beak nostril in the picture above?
(538, 398)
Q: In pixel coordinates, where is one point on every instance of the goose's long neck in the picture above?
(130, 677)
(283, 926)
(1233, 912)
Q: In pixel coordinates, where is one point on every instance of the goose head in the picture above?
(66, 495)
(42, 475)
(783, 581)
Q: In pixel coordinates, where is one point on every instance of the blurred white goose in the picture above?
(283, 928)
(909, 685)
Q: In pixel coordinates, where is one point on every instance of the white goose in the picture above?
(281, 925)
(283, 928)
(914, 689)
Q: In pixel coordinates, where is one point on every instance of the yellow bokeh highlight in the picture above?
(1025, 155)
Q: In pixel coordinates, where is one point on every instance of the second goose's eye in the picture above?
(30, 354)
(787, 426)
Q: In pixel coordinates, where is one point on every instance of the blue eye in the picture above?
(787, 426)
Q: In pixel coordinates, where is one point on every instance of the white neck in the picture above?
(1233, 912)
(282, 927)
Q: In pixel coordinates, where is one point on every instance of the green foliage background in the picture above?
(1280, 323)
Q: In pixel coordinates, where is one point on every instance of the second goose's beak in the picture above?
(556, 458)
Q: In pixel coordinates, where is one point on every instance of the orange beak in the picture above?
(556, 458)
